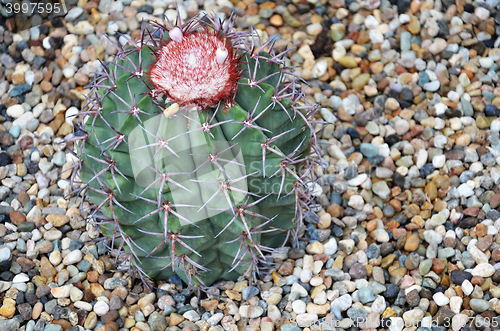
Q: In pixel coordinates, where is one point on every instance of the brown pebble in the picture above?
(92, 276)
(46, 268)
(81, 79)
(209, 305)
(6, 138)
(495, 201)
(46, 86)
(26, 142)
(358, 271)
(437, 265)
(481, 230)
(286, 269)
(485, 242)
(335, 210)
(57, 122)
(63, 323)
(37, 310)
(111, 315)
(476, 280)
(26, 264)
(495, 254)
(17, 217)
(57, 219)
(23, 198)
(96, 289)
(471, 211)
(111, 326)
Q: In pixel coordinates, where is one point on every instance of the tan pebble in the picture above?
(96, 289)
(276, 20)
(57, 219)
(8, 308)
(343, 115)
(414, 25)
(128, 322)
(463, 140)
(37, 310)
(61, 292)
(318, 309)
(46, 86)
(90, 321)
(148, 309)
(315, 248)
(325, 221)
(412, 243)
(148, 298)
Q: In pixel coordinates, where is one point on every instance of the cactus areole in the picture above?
(195, 152)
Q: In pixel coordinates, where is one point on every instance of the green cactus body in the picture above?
(192, 188)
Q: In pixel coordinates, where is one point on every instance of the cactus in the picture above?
(190, 144)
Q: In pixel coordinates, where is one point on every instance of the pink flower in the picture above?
(196, 68)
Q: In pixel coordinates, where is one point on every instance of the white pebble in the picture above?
(438, 161)
(482, 13)
(432, 86)
(73, 257)
(299, 307)
(440, 107)
(440, 299)
(21, 278)
(356, 202)
(402, 126)
(465, 190)
(101, 308)
(15, 111)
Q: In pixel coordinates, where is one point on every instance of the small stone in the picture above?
(57, 219)
(356, 202)
(83, 28)
(8, 308)
(483, 270)
(479, 305)
(15, 111)
(440, 299)
(412, 243)
(458, 276)
(276, 20)
(412, 317)
(432, 86)
(157, 322)
(61, 292)
(75, 294)
(402, 126)
(306, 320)
(365, 295)
(113, 283)
(348, 62)
(101, 308)
(357, 271)
(250, 311)
(73, 257)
